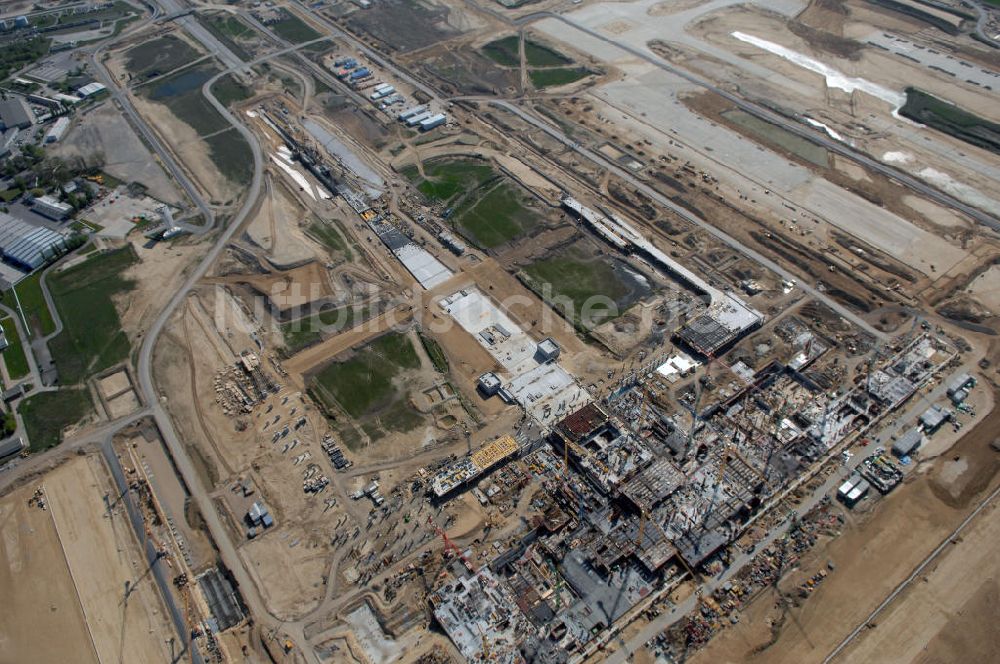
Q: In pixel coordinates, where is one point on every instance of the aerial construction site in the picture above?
(500, 331)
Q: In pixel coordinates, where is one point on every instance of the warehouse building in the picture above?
(90, 90)
(958, 391)
(433, 121)
(908, 443)
(26, 246)
(10, 448)
(57, 130)
(853, 490)
(934, 417)
(223, 600)
(53, 209)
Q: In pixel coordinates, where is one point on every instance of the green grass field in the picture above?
(444, 179)
(568, 280)
(435, 352)
(29, 293)
(327, 234)
(159, 56)
(547, 78)
(293, 29)
(952, 120)
(779, 136)
(181, 93)
(505, 52)
(537, 55)
(92, 338)
(496, 218)
(362, 386)
(230, 30)
(46, 414)
(231, 155)
(13, 355)
(306, 331)
(228, 90)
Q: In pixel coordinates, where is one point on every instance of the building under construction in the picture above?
(637, 492)
(467, 470)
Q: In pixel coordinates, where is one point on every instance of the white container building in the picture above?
(433, 121)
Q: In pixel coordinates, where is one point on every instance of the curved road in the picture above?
(983, 16)
(150, 137)
(227, 551)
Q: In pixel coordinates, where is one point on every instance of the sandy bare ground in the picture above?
(946, 616)
(104, 135)
(275, 227)
(288, 289)
(103, 556)
(157, 276)
(40, 616)
(986, 288)
(64, 572)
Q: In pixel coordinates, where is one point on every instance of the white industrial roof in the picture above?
(26, 245)
(90, 89)
(426, 269)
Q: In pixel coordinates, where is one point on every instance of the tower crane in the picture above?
(451, 546)
(727, 452)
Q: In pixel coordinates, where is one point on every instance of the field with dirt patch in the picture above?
(585, 287)
(366, 386)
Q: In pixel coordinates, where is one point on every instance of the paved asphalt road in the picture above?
(801, 130)
(139, 123)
